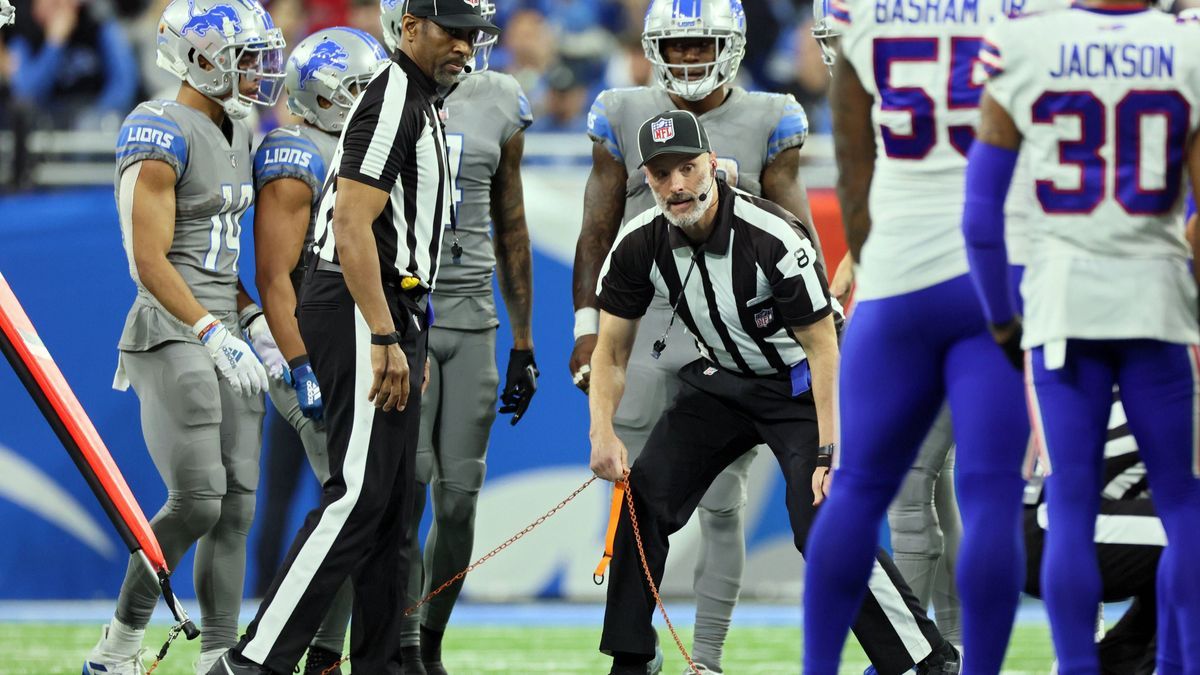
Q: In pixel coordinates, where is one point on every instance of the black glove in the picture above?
(520, 383)
(1011, 344)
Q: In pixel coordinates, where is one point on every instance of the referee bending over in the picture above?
(744, 279)
(363, 316)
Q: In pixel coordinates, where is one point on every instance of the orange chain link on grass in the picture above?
(637, 536)
(491, 554)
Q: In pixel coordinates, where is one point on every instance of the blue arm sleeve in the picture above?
(121, 82)
(35, 77)
(989, 173)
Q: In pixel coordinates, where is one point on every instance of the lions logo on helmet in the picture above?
(723, 21)
(327, 71)
(217, 47)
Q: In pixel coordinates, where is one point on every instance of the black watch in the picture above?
(825, 455)
(392, 338)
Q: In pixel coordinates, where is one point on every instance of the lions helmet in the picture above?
(825, 31)
(722, 21)
(326, 72)
(8, 13)
(392, 11)
(235, 39)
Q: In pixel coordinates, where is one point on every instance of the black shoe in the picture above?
(233, 663)
(410, 661)
(321, 661)
(435, 668)
(943, 661)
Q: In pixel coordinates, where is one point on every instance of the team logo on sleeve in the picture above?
(328, 54)
(764, 318)
(221, 18)
(662, 130)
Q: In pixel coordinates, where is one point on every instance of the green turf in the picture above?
(54, 649)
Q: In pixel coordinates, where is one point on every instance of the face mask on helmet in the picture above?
(696, 25)
(825, 32)
(230, 52)
(326, 73)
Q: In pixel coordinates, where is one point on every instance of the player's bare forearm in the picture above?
(243, 297)
(603, 208)
(514, 259)
(281, 216)
(854, 143)
(609, 361)
(819, 341)
(357, 207)
(152, 232)
(783, 184)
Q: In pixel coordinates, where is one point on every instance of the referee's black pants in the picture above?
(717, 417)
(359, 527)
(1128, 569)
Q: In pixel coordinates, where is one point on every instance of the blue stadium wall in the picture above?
(62, 255)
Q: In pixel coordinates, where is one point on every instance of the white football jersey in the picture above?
(916, 59)
(1106, 101)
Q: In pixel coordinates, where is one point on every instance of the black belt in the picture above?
(393, 281)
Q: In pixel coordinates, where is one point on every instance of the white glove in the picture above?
(233, 358)
(8, 13)
(255, 328)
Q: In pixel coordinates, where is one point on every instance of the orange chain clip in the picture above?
(490, 554)
(637, 536)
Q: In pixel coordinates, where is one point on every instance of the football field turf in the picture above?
(59, 648)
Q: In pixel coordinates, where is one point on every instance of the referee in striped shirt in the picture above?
(364, 316)
(744, 279)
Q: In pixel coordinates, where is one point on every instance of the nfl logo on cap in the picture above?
(473, 3)
(663, 129)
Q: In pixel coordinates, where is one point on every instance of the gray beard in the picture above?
(692, 216)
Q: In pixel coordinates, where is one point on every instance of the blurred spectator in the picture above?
(527, 49)
(364, 15)
(564, 103)
(73, 63)
(796, 68)
(628, 66)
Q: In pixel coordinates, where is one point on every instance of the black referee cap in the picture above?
(676, 132)
(453, 14)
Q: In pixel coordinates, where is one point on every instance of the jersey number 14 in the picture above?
(226, 230)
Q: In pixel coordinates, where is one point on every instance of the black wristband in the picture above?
(825, 456)
(297, 362)
(392, 338)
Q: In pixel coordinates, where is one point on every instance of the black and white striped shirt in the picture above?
(395, 141)
(756, 276)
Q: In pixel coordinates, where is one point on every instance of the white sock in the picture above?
(123, 640)
(207, 658)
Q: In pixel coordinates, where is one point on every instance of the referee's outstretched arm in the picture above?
(358, 206)
(610, 458)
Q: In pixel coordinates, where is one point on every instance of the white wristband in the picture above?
(587, 322)
(204, 322)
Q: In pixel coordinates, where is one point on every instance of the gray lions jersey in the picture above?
(481, 115)
(212, 190)
(747, 133)
(301, 152)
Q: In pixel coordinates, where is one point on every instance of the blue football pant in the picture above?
(1159, 384)
(902, 356)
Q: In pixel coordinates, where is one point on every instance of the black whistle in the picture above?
(660, 345)
(456, 252)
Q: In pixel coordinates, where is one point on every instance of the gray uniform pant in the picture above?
(205, 441)
(457, 412)
(651, 385)
(332, 633)
(926, 528)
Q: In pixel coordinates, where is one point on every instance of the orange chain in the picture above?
(637, 536)
(491, 554)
